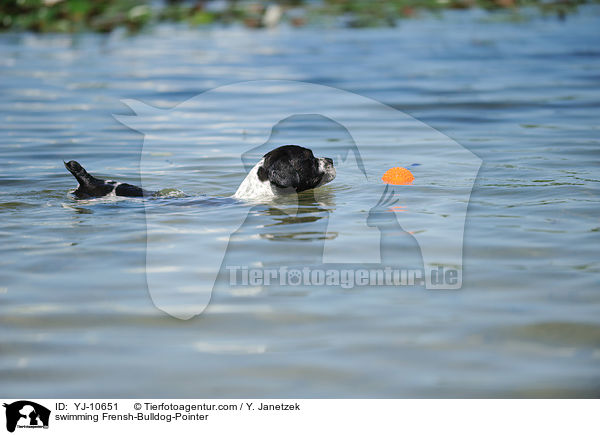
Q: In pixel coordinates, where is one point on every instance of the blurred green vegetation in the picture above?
(73, 15)
(104, 16)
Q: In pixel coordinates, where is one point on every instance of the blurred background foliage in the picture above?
(104, 16)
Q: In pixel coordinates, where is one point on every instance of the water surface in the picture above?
(76, 316)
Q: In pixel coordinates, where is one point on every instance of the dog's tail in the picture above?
(80, 174)
(89, 186)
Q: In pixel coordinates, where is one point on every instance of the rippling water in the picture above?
(76, 315)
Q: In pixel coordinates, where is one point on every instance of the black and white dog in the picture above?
(287, 169)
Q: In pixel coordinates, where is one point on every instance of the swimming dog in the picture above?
(287, 169)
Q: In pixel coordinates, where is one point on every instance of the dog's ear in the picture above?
(280, 173)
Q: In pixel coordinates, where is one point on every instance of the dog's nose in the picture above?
(328, 160)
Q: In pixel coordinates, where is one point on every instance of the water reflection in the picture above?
(397, 246)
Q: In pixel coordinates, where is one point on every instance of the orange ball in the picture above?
(398, 176)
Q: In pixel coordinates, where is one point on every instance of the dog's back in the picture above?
(91, 187)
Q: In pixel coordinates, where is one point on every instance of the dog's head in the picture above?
(295, 167)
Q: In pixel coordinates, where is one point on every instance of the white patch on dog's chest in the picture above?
(253, 188)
